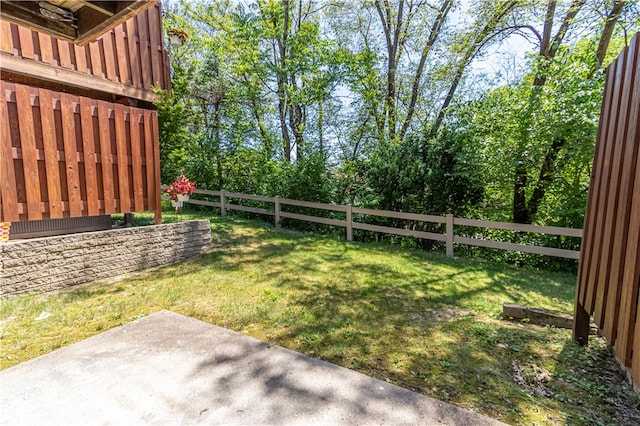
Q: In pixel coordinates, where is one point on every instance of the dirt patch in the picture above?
(441, 313)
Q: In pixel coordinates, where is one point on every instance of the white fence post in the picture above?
(223, 207)
(349, 223)
(449, 234)
(277, 211)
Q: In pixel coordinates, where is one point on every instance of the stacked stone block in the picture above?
(44, 264)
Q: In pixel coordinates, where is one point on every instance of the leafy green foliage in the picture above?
(514, 128)
(334, 102)
(432, 177)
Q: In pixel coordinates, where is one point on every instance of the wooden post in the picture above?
(277, 211)
(128, 220)
(349, 223)
(581, 325)
(449, 234)
(223, 207)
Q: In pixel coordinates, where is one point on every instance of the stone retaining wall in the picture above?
(44, 264)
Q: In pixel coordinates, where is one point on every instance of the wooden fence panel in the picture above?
(609, 273)
(124, 75)
(152, 188)
(51, 155)
(132, 53)
(110, 56)
(603, 208)
(587, 247)
(70, 156)
(106, 158)
(28, 151)
(153, 125)
(157, 53)
(64, 54)
(95, 53)
(8, 192)
(26, 42)
(631, 267)
(145, 55)
(610, 207)
(58, 153)
(136, 162)
(88, 147)
(6, 39)
(350, 223)
(122, 160)
(81, 59)
(629, 151)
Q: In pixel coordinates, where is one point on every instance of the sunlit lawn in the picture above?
(416, 319)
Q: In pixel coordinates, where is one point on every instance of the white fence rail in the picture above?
(448, 237)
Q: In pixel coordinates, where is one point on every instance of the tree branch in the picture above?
(548, 25)
(433, 36)
(481, 39)
(607, 32)
(568, 19)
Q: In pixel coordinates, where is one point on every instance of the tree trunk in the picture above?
(395, 34)
(544, 179)
(433, 36)
(607, 32)
(320, 130)
(296, 123)
(282, 114)
(282, 83)
(525, 211)
(520, 211)
(548, 49)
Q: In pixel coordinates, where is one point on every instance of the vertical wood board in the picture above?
(6, 37)
(136, 161)
(89, 156)
(134, 52)
(29, 153)
(156, 169)
(8, 187)
(70, 155)
(52, 165)
(106, 158)
(152, 189)
(123, 195)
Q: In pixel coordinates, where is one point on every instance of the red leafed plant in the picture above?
(180, 186)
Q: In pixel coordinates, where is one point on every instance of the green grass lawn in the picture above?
(416, 319)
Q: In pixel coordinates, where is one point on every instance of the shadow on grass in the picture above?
(423, 323)
(283, 255)
(419, 320)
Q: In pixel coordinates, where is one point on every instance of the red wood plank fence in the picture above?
(69, 156)
(609, 272)
(131, 55)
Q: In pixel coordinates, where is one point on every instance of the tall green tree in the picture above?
(375, 97)
(532, 178)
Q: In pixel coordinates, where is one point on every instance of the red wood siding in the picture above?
(609, 273)
(132, 53)
(68, 156)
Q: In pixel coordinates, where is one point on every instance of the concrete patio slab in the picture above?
(168, 369)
